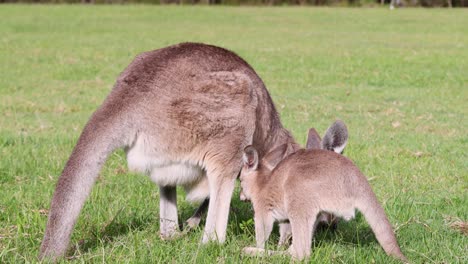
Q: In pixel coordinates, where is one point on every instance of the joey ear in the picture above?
(274, 157)
(250, 157)
(313, 140)
(336, 137)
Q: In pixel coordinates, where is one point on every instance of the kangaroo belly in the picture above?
(337, 205)
(142, 157)
(343, 209)
(176, 174)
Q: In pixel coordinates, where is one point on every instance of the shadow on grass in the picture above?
(110, 232)
(355, 232)
(122, 225)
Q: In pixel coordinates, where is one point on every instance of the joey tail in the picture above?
(378, 221)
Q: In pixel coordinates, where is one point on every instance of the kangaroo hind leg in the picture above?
(168, 219)
(221, 188)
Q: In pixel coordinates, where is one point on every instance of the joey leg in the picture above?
(263, 228)
(285, 234)
(302, 230)
(194, 220)
(327, 221)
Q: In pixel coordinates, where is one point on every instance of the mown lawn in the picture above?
(399, 79)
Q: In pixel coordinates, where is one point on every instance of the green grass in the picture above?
(398, 79)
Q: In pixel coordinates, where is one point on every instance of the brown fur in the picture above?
(337, 138)
(303, 185)
(188, 107)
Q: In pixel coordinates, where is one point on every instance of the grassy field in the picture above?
(399, 79)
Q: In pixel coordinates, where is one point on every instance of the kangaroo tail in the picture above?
(100, 137)
(378, 221)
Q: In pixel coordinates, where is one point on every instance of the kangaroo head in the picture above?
(335, 138)
(253, 168)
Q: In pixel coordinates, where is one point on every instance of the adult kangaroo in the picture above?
(184, 115)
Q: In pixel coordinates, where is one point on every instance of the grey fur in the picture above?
(183, 114)
(337, 138)
(313, 140)
(195, 219)
(303, 185)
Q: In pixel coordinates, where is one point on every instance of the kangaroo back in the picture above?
(368, 205)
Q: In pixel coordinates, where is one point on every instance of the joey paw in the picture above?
(253, 251)
(192, 222)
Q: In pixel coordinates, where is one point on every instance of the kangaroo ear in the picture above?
(313, 140)
(250, 157)
(336, 137)
(274, 157)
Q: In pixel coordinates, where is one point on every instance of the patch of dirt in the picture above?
(457, 224)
